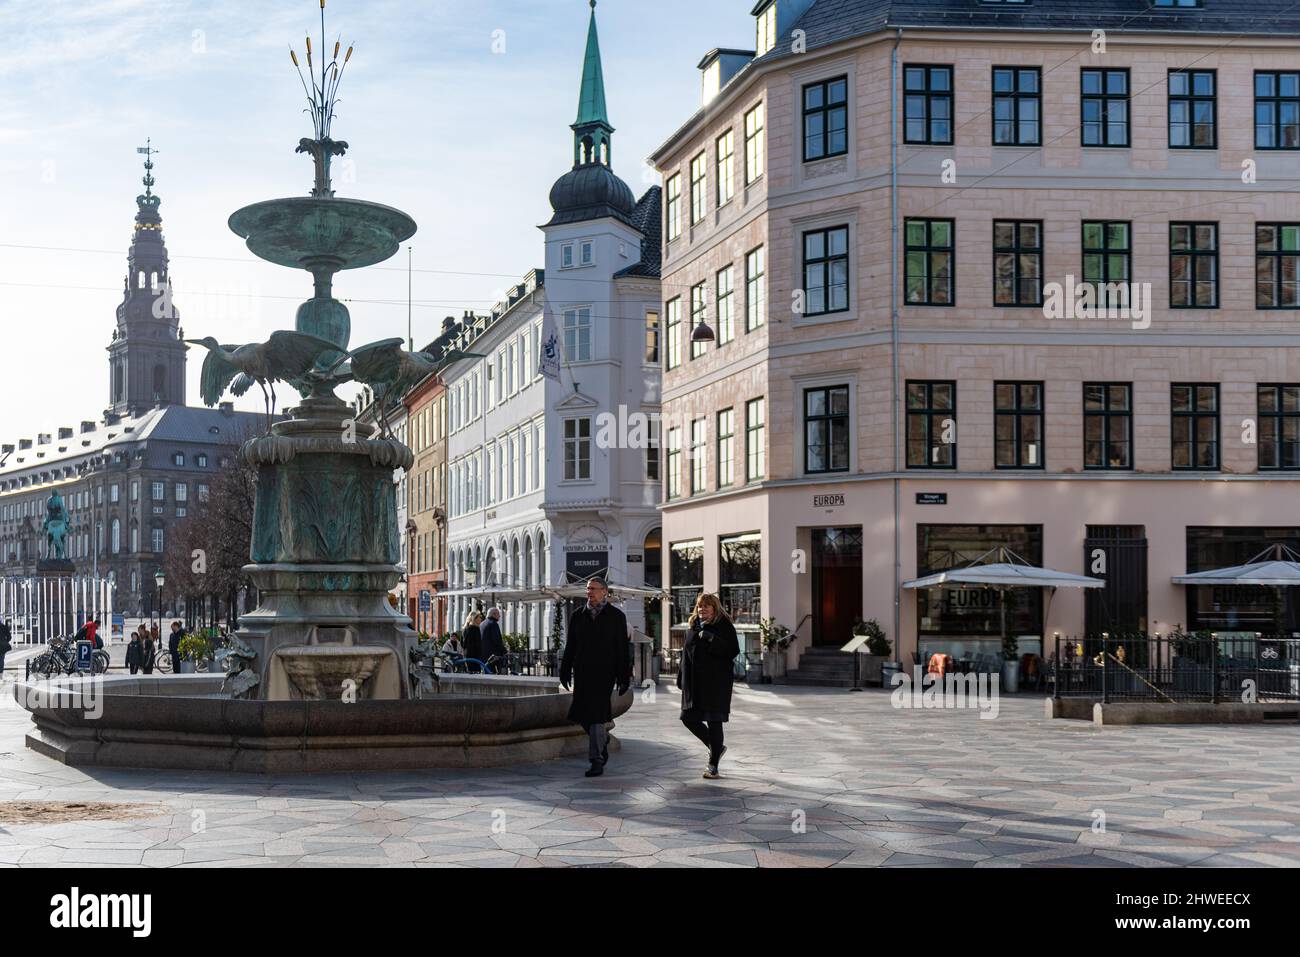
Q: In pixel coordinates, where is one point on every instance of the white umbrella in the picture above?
(1282, 570)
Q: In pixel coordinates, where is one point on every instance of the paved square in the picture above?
(813, 778)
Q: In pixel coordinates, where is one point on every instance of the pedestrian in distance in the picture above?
(705, 676)
(452, 647)
(597, 661)
(473, 636)
(135, 652)
(6, 644)
(149, 646)
(493, 643)
(174, 646)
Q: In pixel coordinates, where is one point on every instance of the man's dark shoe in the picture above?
(596, 770)
(604, 755)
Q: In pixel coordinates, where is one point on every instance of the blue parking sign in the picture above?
(85, 656)
(426, 601)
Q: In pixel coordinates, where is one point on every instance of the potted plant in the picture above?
(1193, 660)
(775, 639)
(1010, 664)
(878, 649)
(193, 649)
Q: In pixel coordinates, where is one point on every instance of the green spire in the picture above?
(591, 98)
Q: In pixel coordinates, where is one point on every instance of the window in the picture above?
(755, 290)
(766, 38)
(1107, 260)
(511, 365)
(203, 492)
(740, 574)
(182, 493)
(652, 456)
(577, 450)
(135, 540)
(588, 252)
(1017, 104)
(699, 311)
(1196, 427)
(726, 447)
(1017, 263)
(157, 491)
(755, 143)
(114, 493)
(1107, 425)
(566, 256)
(931, 425)
(1277, 266)
(135, 491)
(755, 441)
(929, 262)
(1279, 427)
(699, 181)
(577, 335)
(673, 330)
(674, 463)
(115, 536)
(1105, 107)
(726, 155)
(1192, 110)
(826, 119)
(652, 338)
(1018, 425)
(178, 458)
(1277, 111)
(826, 429)
(1193, 265)
(826, 271)
(726, 313)
(157, 540)
(686, 577)
(201, 461)
(699, 456)
(1176, 3)
(673, 206)
(927, 105)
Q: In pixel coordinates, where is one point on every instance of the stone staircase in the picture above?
(823, 666)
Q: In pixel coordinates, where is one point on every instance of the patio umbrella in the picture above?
(1009, 571)
(1281, 570)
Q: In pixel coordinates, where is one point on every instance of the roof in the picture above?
(591, 96)
(828, 22)
(647, 218)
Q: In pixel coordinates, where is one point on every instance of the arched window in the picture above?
(160, 382)
(153, 281)
(119, 381)
(140, 282)
(528, 561)
(586, 150)
(115, 536)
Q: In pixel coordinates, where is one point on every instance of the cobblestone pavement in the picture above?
(813, 778)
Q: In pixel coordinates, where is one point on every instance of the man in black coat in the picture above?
(597, 661)
(174, 646)
(6, 642)
(492, 641)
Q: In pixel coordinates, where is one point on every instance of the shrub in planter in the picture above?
(775, 639)
(878, 648)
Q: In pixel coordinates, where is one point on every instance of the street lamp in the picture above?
(160, 580)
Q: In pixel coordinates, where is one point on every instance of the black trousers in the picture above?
(710, 732)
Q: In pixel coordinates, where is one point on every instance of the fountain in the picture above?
(319, 674)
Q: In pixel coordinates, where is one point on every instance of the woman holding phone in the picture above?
(705, 676)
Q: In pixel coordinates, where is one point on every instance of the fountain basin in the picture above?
(187, 723)
(305, 231)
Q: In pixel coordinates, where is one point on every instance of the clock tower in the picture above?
(146, 356)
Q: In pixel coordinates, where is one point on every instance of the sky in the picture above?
(457, 112)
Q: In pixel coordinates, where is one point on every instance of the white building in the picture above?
(544, 485)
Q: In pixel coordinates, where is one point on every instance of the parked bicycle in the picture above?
(60, 658)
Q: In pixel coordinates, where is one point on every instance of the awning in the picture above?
(1283, 569)
(550, 593)
(616, 592)
(1004, 575)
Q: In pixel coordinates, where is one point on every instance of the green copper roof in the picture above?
(591, 98)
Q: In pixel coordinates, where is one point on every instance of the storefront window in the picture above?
(740, 571)
(1252, 608)
(962, 621)
(687, 582)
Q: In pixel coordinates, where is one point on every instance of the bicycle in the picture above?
(61, 659)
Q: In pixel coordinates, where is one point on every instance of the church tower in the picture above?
(146, 357)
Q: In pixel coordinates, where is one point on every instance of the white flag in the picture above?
(549, 363)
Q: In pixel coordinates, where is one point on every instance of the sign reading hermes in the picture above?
(827, 501)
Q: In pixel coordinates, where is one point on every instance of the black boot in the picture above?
(596, 770)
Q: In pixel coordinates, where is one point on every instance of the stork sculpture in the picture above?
(388, 368)
(285, 357)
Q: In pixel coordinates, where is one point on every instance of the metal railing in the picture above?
(1151, 667)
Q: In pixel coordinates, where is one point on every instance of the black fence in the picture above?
(1151, 667)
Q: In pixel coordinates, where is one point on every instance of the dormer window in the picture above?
(766, 37)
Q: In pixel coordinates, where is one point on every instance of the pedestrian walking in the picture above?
(493, 644)
(597, 660)
(705, 676)
(473, 636)
(149, 643)
(174, 646)
(135, 652)
(6, 643)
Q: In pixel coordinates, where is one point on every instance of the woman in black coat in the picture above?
(705, 676)
(472, 637)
